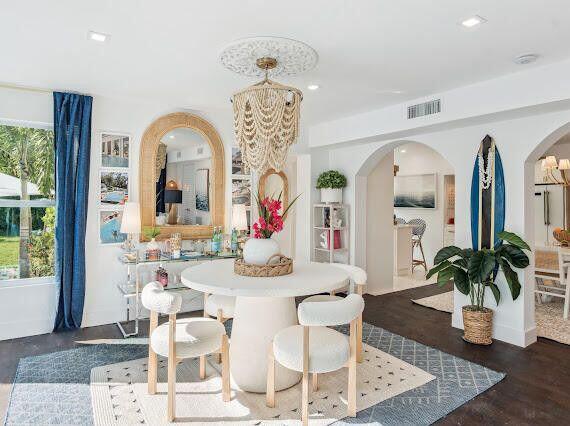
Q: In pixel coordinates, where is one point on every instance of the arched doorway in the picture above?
(380, 246)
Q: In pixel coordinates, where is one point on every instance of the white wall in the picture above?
(516, 139)
(420, 159)
(103, 303)
(379, 226)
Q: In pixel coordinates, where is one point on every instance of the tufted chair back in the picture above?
(155, 299)
(333, 313)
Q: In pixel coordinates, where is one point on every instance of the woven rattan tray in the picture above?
(272, 269)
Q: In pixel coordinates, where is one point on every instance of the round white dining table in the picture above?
(264, 306)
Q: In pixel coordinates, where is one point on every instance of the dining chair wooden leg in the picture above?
(220, 317)
(152, 357)
(566, 300)
(204, 309)
(315, 382)
(226, 391)
(270, 390)
(203, 367)
(171, 399)
(305, 384)
(351, 412)
(359, 356)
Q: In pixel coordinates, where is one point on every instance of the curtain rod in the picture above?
(35, 89)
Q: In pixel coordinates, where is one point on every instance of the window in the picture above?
(27, 205)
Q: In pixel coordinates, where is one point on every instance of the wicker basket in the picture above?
(562, 236)
(284, 266)
(478, 325)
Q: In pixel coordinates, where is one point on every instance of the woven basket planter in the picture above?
(283, 266)
(477, 325)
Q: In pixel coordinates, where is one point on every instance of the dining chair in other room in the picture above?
(181, 339)
(312, 347)
(551, 275)
(418, 230)
(358, 278)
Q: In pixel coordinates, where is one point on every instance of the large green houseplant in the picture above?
(473, 271)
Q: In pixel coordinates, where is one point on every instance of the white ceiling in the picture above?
(168, 50)
(182, 138)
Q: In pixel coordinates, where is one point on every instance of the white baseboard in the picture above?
(17, 329)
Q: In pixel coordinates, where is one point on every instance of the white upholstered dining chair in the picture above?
(358, 280)
(220, 307)
(181, 339)
(312, 347)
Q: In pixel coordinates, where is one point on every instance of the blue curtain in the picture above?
(72, 134)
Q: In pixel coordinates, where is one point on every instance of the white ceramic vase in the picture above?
(331, 195)
(152, 245)
(258, 250)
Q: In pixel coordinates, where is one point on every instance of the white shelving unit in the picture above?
(330, 233)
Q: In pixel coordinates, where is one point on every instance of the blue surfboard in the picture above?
(487, 196)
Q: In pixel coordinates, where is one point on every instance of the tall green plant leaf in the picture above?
(445, 253)
(513, 239)
(461, 281)
(480, 266)
(514, 255)
(496, 292)
(437, 268)
(512, 279)
(445, 275)
(466, 253)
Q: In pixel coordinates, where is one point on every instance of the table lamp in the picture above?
(172, 196)
(239, 222)
(131, 223)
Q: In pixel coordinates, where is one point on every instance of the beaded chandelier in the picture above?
(266, 120)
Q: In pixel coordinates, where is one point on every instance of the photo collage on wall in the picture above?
(241, 184)
(114, 185)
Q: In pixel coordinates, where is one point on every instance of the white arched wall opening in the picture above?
(529, 231)
(366, 249)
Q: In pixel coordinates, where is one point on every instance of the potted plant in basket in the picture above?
(473, 271)
(261, 247)
(331, 183)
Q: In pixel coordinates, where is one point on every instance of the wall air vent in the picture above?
(426, 108)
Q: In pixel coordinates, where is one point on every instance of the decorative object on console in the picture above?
(239, 224)
(266, 115)
(277, 265)
(473, 271)
(131, 224)
(172, 196)
(162, 276)
(261, 247)
(152, 251)
(331, 183)
(175, 245)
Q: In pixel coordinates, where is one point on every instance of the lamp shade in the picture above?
(131, 223)
(172, 196)
(239, 217)
(550, 162)
(564, 164)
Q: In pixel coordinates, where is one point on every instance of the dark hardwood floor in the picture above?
(536, 390)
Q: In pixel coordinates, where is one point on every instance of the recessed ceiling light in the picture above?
(403, 151)
(171, 136)
(313, 86)
(526, 59)
(473, 21)
(95, 36)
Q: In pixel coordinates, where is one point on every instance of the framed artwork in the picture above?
(114, 188)
(415, 191)
(238, 168)
(202, 189)
(115, 150)
(109, 227)
(241, 191)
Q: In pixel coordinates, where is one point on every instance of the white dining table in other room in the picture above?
(264, 306)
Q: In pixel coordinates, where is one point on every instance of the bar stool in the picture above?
(418, 229)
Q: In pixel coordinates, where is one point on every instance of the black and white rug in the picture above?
(55, 388)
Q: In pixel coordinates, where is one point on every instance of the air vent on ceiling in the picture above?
(426, 108)
(178, 155)
(200, 150)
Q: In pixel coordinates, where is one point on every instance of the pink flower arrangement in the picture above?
(270, 219)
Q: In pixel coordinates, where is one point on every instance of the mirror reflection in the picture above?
(183, 164)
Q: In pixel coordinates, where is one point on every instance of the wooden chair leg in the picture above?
(305, 384)
(566, 300)
(424, 264)
(315, 382)
(220, 318)
(226, 391)
(351, 412)
(152, 357)
(359, 355)
(203, 367)
(270, 390)
(171, 368)
(204, 309)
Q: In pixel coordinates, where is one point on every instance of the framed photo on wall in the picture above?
(110, 226)
(115, 150)
(114, 188)
(238, 167)
(202, 189)
(415, 191)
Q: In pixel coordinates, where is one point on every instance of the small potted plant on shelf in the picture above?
(473, 271)
(331, 183)
(152, 246)
(261, 247)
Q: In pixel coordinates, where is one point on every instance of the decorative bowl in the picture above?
(562, 236)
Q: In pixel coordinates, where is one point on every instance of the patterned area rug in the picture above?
(119, 394)
(550, 323)
(54, 388)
